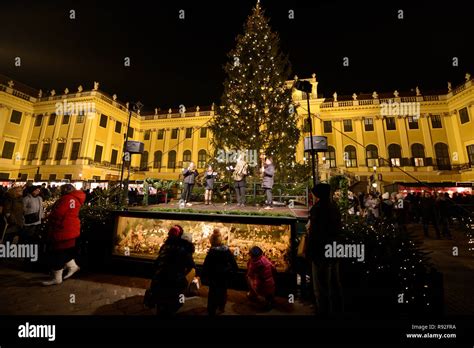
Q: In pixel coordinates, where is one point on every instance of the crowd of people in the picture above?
(174, 274)
(22, 215)
(437, 209)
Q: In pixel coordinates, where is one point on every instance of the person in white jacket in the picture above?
(33, 213)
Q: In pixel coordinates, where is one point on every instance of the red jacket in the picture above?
(64, 223)
(261, 272)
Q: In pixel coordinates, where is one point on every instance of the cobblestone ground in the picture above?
(457, 271)
(21, 293)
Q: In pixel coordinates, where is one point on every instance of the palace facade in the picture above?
(79, 135)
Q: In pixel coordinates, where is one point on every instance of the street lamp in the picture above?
(126, 155)
(305, 86)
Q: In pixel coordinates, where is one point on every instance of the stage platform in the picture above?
(299, 211)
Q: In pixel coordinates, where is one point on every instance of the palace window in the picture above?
(172, 159)
(330, 156)
(103, 121)
(202, 158)
(147, 134)
(161, 134)
(113, 158)
(418, 155)
(75, 151)
(8, 148)
(32, 152)
(118, 127)
(327, 126)
(347, 125)
(390, 123)
(157, 159)
(470, 154)
(203, 132)
(98, 153)
(52, 119)
(369, 124)
(186, 157)
(45, 152)
(189, 133)
(395, 154)
(350, 156)
(372, 156)
(413, 122)
(38, 120)
(463, 115)
(442, 156)
(174, 133)
(59, 151)
(15, 117)
(144, 161)
(436, 121)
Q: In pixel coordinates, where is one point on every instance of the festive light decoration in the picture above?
(255, 102)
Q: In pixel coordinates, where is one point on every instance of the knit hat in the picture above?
(188, 237)
(175, 231)
(322, 191)
(386, 195)
(255, 252)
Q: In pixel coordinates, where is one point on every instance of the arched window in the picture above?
(395, 154)
(172, 159)
(372, 155)
(157, 159)
(202, 158)
(144, 161)
(186, 158)
(330, 157)
(350, 156)
(442, 156)
(418, 154)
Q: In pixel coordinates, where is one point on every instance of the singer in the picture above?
(189, 175)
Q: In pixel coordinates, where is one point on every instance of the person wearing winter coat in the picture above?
(386, 207)
(189, 175)
(12, 211)
(33, 212)
(267, 181)
(261, 277)
(218, 268)
(173, 264)
(64, 227)
(429, 214)
(209, 177)
(324, 229)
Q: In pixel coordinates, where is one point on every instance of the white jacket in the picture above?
(33, 205)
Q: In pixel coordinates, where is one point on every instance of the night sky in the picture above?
(175, 61)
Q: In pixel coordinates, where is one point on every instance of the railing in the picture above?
(430, 98)
(107, 165)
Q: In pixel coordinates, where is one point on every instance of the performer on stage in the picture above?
(209, 177)
(239, 174)
(268, 171)
(190, 175)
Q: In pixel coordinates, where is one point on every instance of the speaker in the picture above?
(134, 147)
(320, 144)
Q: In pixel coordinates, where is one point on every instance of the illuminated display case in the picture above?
(140, 235)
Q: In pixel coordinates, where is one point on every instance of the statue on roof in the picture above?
(335, 96)
(66, 91)
(40, 93)
(11, 83)
(417, 90)
(354, 96)
(114, 97)
(96, 85)
(450, 88)
(80, 89)
(375, 95)
(53, 92)
(467, 76)
(396, 94)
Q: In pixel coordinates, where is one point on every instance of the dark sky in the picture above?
(176, 61)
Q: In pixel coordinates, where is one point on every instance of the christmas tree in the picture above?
(256, 112)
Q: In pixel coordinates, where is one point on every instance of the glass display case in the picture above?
(141, 234)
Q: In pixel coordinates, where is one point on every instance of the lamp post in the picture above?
(305, 86)
(125, 154)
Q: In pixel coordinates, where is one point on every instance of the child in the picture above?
(210, 177)
(260, 277)
(218, 267)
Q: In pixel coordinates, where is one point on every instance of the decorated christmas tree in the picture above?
(256, 112)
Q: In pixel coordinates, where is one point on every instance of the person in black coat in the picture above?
(169, 283)
(429, 214)
(218, 268)
(267, 181)
(209, 177)
(189, 175)
(324, 229)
